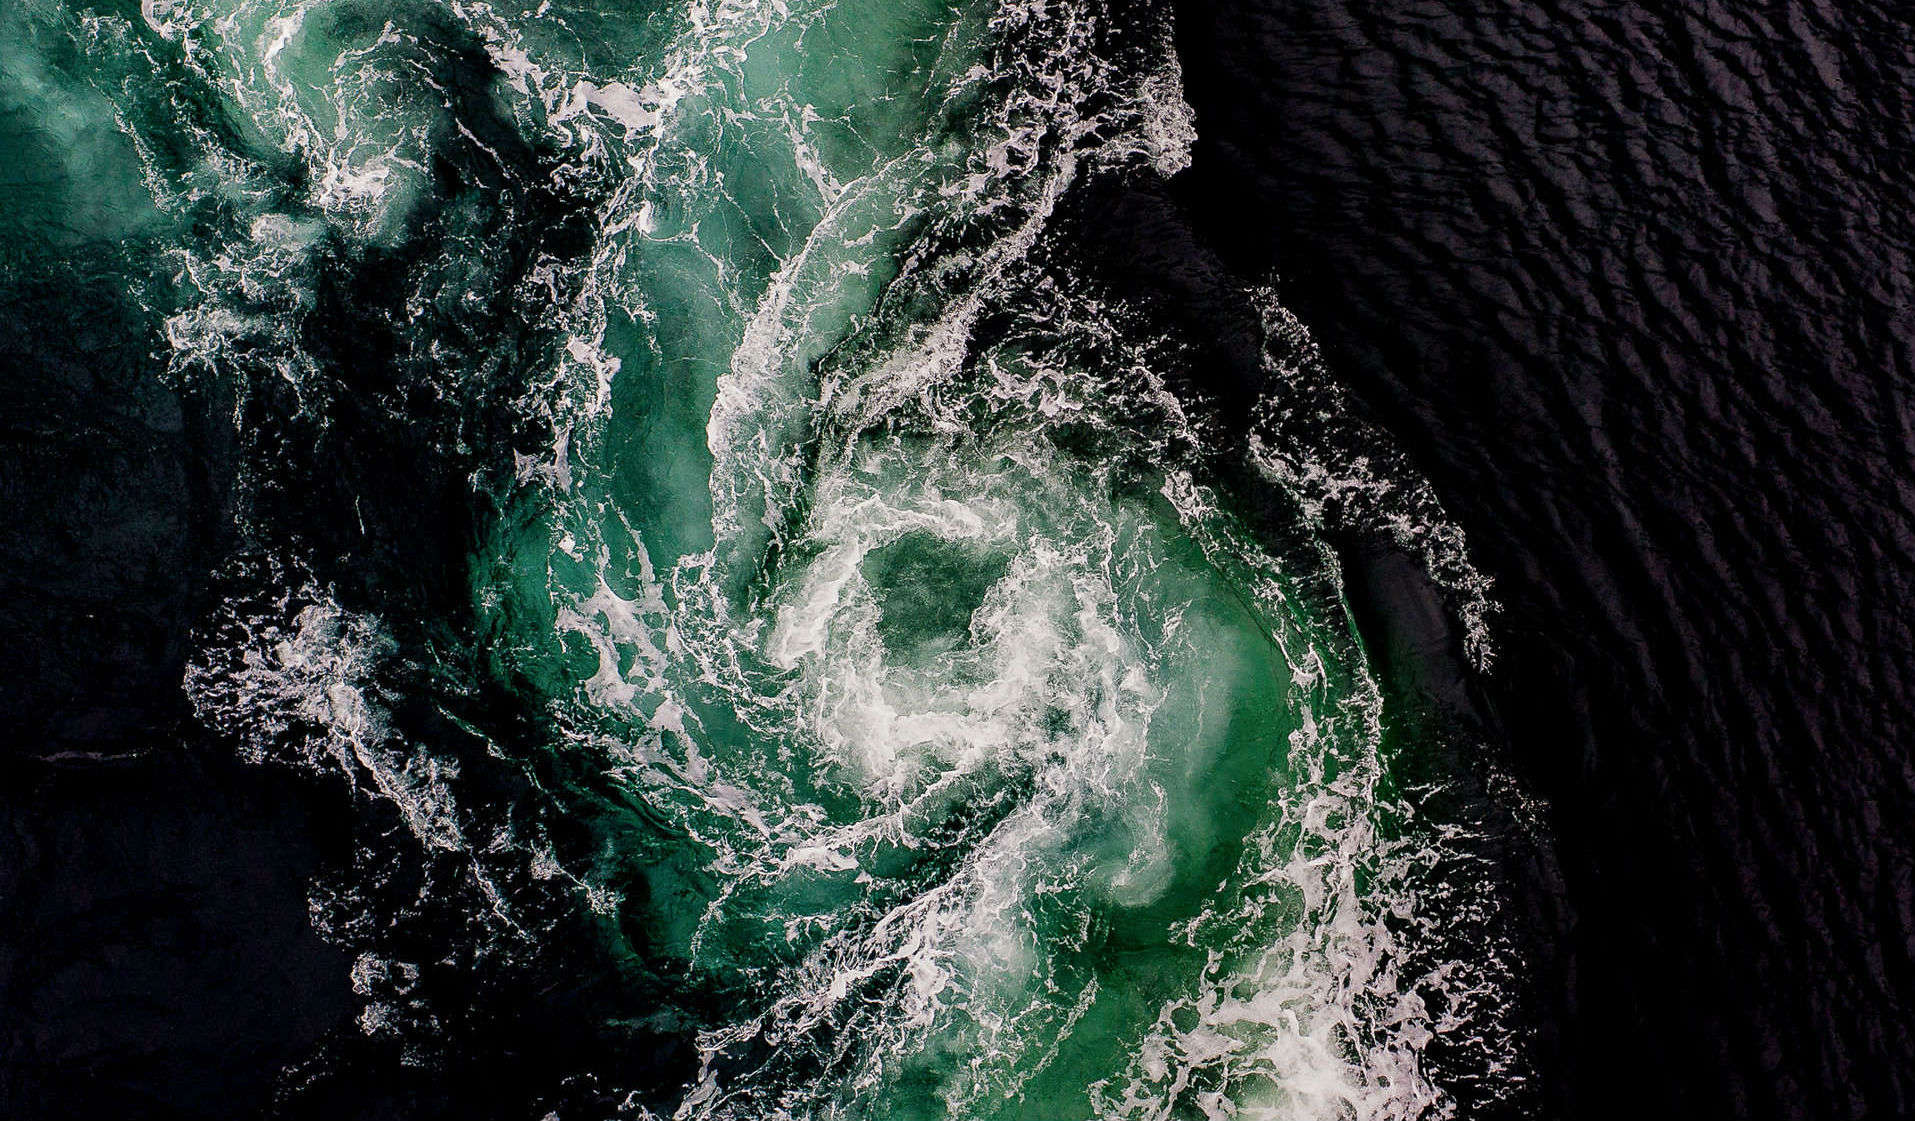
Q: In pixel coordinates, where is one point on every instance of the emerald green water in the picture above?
(977, 759)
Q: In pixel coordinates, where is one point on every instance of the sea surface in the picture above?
(888, 559)
(1631, 284)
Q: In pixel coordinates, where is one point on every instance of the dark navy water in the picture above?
(1629, 285)
(1633, 283)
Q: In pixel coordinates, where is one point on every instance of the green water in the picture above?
(977, 760)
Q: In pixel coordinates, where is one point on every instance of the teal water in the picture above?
(916, 710)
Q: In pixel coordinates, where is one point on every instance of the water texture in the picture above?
(790, 636)
(1631, 282)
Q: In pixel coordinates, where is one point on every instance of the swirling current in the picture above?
(792, 636)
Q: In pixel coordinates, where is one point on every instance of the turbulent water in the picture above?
(754, 574)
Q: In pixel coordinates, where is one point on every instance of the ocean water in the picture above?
(1031, 559)
(1628, 282)
(749, 572)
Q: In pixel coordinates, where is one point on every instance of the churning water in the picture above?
(690, 489)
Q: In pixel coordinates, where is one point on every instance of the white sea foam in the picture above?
(293, 680)
(908, 848)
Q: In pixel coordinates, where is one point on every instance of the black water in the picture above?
(1633, 287)
(1633, 284)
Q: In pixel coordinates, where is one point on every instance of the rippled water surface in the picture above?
(797, 558)
(1631, 282)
